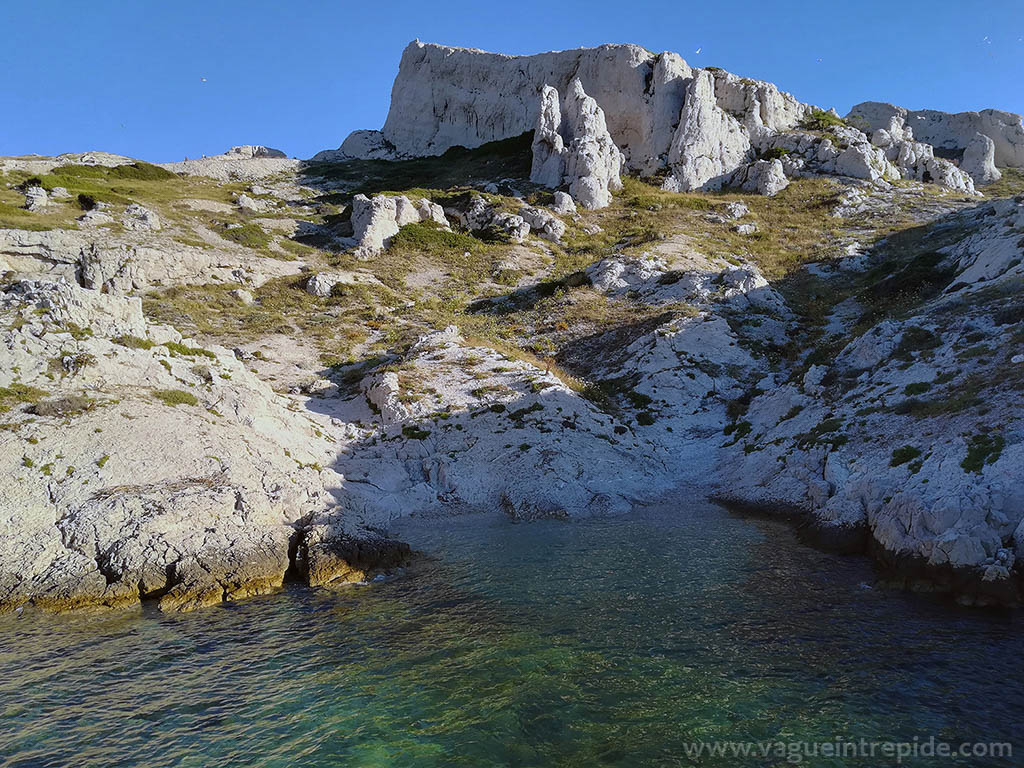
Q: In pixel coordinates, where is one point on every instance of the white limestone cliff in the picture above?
(705, 125)
(950, 131)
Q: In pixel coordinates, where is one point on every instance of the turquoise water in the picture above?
(610, 642)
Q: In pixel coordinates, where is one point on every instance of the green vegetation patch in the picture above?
(820, 120)
(133, 342)
(823, 434)
(917, 388)
(18, 393)
(916, 340)
(178, 348)
(175, 397)
(139, 171)
(903, 455)
(983, 449)
(247, 235)
(415, 433)
(430, 236)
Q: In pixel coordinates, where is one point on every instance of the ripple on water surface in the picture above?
(607, 642)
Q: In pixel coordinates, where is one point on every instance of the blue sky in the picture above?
(128, 76)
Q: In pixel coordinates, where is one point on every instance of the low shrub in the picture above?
(247, 235)
(916, 339)
(17, 392)
(133, 342)
(178, 348)
(983, 449)
(820, 120)
(175, 397)
(903, 455)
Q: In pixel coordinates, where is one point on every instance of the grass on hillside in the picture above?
(1011, 184)
(143, 183)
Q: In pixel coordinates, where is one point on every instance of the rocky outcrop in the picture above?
(376, 220)
(139, 217)
(572, 146)
(36, 198)
(243, 163)
(496, 96)
(545, 224)
(135, 465)
(251, 151)
(453, 411)
(765, 177)
(898, 439)
(709, 144)
(979, 160)
(705, 126)
(951, 132)
(134, 260)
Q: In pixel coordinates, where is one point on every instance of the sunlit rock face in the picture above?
(706, 128)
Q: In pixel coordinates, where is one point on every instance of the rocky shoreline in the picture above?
(633, 275)
(894, 570)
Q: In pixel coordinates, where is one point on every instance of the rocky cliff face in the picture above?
(707, 128)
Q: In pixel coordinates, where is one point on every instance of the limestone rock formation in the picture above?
(242, 163)
(250, 151)
(950, 131)
(703, 125)
(545, 224)
(563, 205)
(979, 160)
(130, 261)
(139, 217)
(129, 487)
(709, 145)
(947, 501)
(481, 216)
(766, 177)
(36, 198)
(572, 146)
(464, 409)
(376, 220)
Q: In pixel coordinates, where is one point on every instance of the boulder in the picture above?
(979, 160)
(546, 225)
(381, 391)
(563, 204)
(374, 223)
(482, 216)
(36, 198)
(320, 284)
(376, 220)
(242, 296)
(247, 203)
(137, 217)
(765, 177)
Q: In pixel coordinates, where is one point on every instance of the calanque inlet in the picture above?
(556, 286)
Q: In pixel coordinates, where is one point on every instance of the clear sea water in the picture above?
(601, 643)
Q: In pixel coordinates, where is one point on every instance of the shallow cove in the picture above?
(603, 642)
